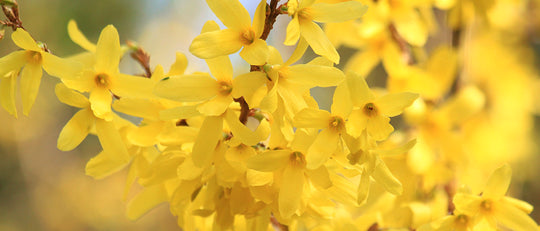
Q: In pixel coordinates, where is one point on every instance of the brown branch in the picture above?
(11, 11)
(141, 56)
(272, 11)
(403, 45)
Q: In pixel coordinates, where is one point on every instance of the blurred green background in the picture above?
(42, 188)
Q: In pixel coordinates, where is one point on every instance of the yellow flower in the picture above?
(496, 208)
(372, 113)
(31, 59)
(304, 13)
(239, 33)
(104, 77)
(293, 165)
(114, 156)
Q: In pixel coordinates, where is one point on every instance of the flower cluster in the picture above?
(254, 150)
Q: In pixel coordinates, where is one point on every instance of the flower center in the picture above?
(224, 88)
(248, 37)
(34, 57)
(102, 80)
(461, 220)
(337, 123)
(487, 205)
(370, 110)
(354, 158)
(297, 159)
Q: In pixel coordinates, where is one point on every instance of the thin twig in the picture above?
(403, 45)
(141, 56)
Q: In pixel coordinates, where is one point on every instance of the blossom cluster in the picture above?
(254, 151)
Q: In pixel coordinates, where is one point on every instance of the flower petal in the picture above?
(221, 68)
(322, 148)
(183, 112)
(216, 43)
(187, 88)
(341, 102)
(30, 81)
(70, 97)
(78, 37)
(179, 66)
(7, 93)
(269, 161)
(256, 53)
(239, 130)
(383, 176)
(146, 200)
(318, 41)
(75, 130)
(320, 177)
(513, 218)
(298, 52)
(358, 89)
(111, 141)
(103, 165)
(314, 75)
(393, 104)
(231, 13)
(259, 19)
(108, 51)
(293, 32)
(337, 12)
(100, 102)
(207, 139)
(133, 86)
(312, 118)
(498, 182)
(249, 86)
(23, 40)
(290, 193)
(379, 127)
(59, 67)
(12, 62)
(363, 188)
(216, 106)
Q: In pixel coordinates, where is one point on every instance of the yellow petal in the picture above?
(146, 200)
(314, 75)
(466, 203)
(216, 43)
(143, 108)
(187, 88)
(103, 165)
(221, 68)
(269, 161)
(312, 118)
(256, 178)
(513, 218)
(249, 86)
(318, 41)
(393, 104)
(30, 81)
(411, 27)
(379, 127)
(240, 130)
(108, 52)
(231, 13)
(337, 12)
(146, 134)
(290, 193)
(293, 98)
(12, 62)
(358, 89)
(498, 182)
(293, 32)
(75, 130)
(215, 106)
(111, 141)
(61, 68)
(70, 97)
(179, 66)
(133, 86)
(270, 102)
(179, 113)
(521, 205)
(383, 176)
(188, 171)
(298, 52)
(341, 102)
(209, 135)
(23, 40)
(85, 83)
(305, 3)
(320, 177)
(259, 19)
(78, 37)
(322, 148)
(209, 26)
(363, 188)
(256, 53)
(7, 93)
(100, 102)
